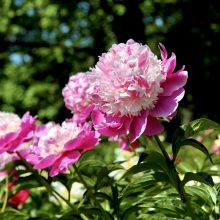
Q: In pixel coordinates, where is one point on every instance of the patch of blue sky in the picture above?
(82, 23)
(86, 41)
(17, 58)
(48, 35)
(18, 2)
(64, 28)
(30, 12)
(159, 22)
(83, 5)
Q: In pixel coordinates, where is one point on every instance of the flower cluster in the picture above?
(123, 97)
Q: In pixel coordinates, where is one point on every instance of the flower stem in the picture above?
(89, 191)
(43, 181)
(165, 154)
(6, 195)
(176, 179)
(80, 177)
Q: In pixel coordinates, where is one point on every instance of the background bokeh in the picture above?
(43, 42)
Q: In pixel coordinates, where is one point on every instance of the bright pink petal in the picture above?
(6, 140)
(46, 162)
(62, 164)
(138, 126)
(169, 64)
(174, 82)
(25, 133)
(167, 105)
(153, 127)
(84, 141)
(97, 117)
(110, 125)
(163, 51)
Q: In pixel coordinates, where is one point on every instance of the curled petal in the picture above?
(174, 82)
(163, 51)
(167, 105)
(138, 126)
(169, 64)
(153, 127)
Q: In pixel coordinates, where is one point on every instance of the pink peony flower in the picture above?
(15, 131)
(76, 97)
(132, 89)
(59, 147)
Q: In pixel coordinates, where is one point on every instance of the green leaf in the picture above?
(96, 212)
(116, 202)
(127, 213)
(90, 163)
(12, 214)
(190, 142)
(198, 125)
(188, 130)
(104, 196)
(206, 177)
(102, 178)
(200, 195)
(195, 177)
(142, 157)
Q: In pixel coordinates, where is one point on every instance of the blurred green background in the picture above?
(43, 42)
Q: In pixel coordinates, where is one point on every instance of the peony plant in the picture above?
(75, 170)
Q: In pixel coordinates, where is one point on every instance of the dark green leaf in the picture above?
(142, 157)
(195, 177)
(91, 163)
(116, 203)
(190, 142)
(12, 214)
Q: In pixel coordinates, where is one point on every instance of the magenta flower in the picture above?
(76, 97)
(132, 89)
(15, 131)
(58, 147)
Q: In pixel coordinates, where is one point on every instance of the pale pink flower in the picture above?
(76, 97)
(200, 138)
(15, 131)
(5, 158)
(215, 149)
(132, 88)
(59, 146)
(123, 142)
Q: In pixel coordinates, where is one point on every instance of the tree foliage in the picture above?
(43, 42)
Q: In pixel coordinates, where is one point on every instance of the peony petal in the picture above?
(46, 162)
(153, 127)
(63, 163)
(169, 64)
(138, 126)
(167, 105)
(174, 82)
(110, 125)
(6, 140)
(97, 117)
(163, 51)
(84, 141)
